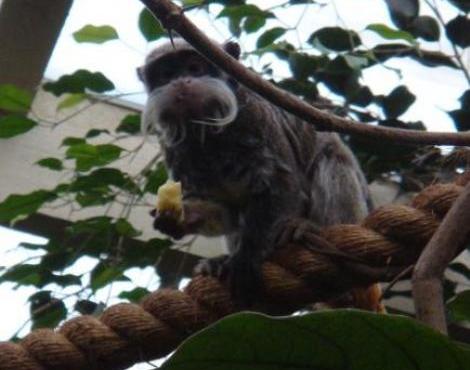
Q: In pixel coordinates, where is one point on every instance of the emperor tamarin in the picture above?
(246, 166)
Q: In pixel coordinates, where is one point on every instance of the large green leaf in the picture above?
(459, 306)
(268, 37)
(389, 33)
(149, 26)
(333, 340)
(457, 30)
(78, 82)
(425, 27)
(95, 34)
(71, 101)
(102, 275)
(13, 125)
(22, 205)
(155, 178)
(46, 311)
(335, 38)
(398, 101)
(134, 295)
(14, 99)
(87, 156)
(130, 124)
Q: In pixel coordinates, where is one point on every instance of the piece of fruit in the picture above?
(170, 199)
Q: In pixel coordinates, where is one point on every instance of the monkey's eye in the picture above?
(196, 68)
(164, 75)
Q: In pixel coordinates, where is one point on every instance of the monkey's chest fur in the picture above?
(250, 156)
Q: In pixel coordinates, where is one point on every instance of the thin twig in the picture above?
(171, 17)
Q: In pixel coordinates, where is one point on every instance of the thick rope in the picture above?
(390, 239)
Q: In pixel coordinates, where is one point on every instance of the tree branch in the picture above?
(172, 18)
(439, 252)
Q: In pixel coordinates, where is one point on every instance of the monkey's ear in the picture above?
(140, 73)
(233, 49)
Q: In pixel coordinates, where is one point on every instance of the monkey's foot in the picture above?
(307, 233)
(295, 230)
(243, 277)
(216, 267)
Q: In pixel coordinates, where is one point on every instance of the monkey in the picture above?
(247, 167)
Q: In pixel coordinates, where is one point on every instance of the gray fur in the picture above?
(262, 169)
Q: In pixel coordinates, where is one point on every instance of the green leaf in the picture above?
(25, 274)
(149, 26)
(134, 295)
(54, 164)
(87, 156)
(155, 179)
(253, 24)
(465, 101)
(463, 5)
(101, 179)
(193, 2)
(305, 65)
(335, 38)
(94, 132)
(95, 34)
(124, 228)
(71, 101)
(306, 89)
(102, 275)
(270, 36)
(461, 119)
(14, 99)
(398, 101)
(130, 124)
(241, 11)
(93, 198)
(22, 205)
(425, 27)
(146, 254)
(390, 33)
(69, 141)
(78, 82)
(46, 311)
(403, 12)
(457, 30)
(87, 307)
(13, 125)
(333, 340)
(459, 307)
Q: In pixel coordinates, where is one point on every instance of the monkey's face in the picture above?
(185, 89)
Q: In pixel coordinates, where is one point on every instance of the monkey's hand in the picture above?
(200, 217)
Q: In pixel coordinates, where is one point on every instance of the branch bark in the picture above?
(439, 252)
(172, 18)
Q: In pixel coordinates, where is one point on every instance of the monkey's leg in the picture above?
(256, 241)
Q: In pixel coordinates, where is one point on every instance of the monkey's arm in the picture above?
(200, 217)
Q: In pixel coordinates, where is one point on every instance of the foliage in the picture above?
(324, 340)
(330, 60)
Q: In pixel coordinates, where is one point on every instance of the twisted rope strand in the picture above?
(391, 236)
